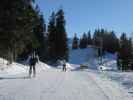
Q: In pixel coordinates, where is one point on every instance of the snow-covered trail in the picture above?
(53, 84)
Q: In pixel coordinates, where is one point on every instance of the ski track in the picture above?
(53, 84)
(111, 89)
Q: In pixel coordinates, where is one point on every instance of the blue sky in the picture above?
(84, 15)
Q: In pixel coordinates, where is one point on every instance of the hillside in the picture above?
(88, 57)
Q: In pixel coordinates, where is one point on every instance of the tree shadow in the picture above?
(131, 92)
(21, 77)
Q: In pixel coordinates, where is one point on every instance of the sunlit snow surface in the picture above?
(109, 67)
(52, 84)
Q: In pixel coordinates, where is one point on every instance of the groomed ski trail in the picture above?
(53, 84)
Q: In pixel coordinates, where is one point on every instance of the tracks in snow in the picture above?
(53, 84)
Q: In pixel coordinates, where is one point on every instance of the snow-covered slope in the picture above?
(13, 69)
(124, 79)
(88, 57)
(16, 68)
(80, 56)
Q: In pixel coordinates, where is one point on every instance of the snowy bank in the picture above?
(123, 78)
(16, 68)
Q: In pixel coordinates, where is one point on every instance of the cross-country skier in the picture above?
(32, 62)
(64, 66)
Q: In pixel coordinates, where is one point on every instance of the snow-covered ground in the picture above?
(16, 68)
(88, 57)
(109, 67)
(122, 78)
(53, 84)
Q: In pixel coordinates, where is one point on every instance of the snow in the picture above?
(108, 87)
(123, 78)
(80, 56)
(53, 84)
(69, 66)
(107, 70)
(108, 66)
(16, 68)
(88, 57)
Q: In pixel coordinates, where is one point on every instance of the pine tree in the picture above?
(109, 40)
(75, 42)
(130, 58)
(89, 38)
(29, 20)
(98, 41)
(83, 41)
(18, 18)
(96, 37)
(52, 37)
(112, 45)
(125, 52)
(61, 36)
(40, 34)
(132, 53)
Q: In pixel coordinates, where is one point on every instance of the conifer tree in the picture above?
(125, 52)
(41, 36)
(61, 36)
(18, 19)
(89, 38)
(52, 37)
(110, 42)
(83, 41)
(112, 45)
(75, 42)
(96, 37)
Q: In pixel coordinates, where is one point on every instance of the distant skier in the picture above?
(64, 66)
(32, 62)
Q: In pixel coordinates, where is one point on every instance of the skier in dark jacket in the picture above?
(32, 62)
(64, 66)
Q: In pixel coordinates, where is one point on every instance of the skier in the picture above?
(64, 65)
(32, 62)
